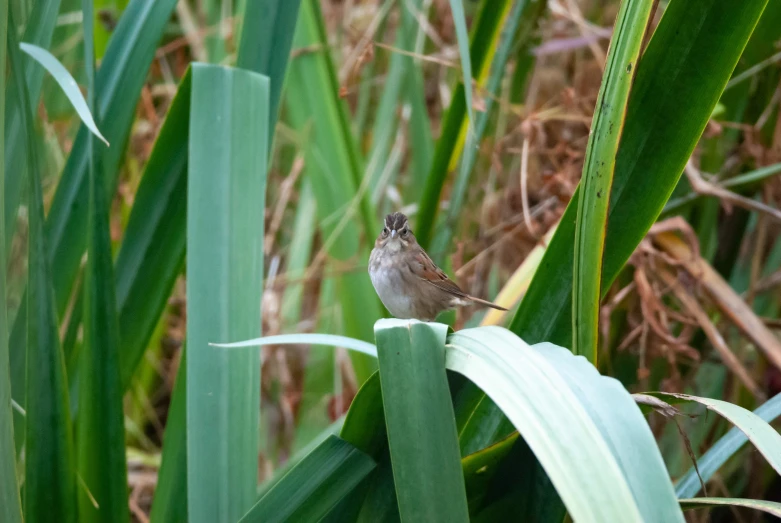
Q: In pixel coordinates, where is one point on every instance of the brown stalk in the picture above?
(727, 356)
(725, 298)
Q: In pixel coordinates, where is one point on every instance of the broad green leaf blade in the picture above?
(50, 480)
(100, 443)
(332, 167)
(624, 428)
(118, 86)
(315, 485)
(169, 504)
(266, 37)
(39, 30)
(153, 247)
(330, 340)
(679, 80)
(225, 273)
(549, 416)
(598, 170)
(419, 417)
(67, 83)
(771, 507)
(722, 450)
(764, 437)
(10, 504)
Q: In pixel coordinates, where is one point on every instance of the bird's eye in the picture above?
(385, 231)
(404, 232)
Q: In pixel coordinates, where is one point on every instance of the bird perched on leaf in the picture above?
(409, 284)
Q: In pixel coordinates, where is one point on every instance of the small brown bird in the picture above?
(409, 284)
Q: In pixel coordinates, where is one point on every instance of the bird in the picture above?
(408, 282)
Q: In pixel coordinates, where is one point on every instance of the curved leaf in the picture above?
(67, 83)
(762, 435)
(551, 419)
(771, 507)
(625, 430)
(689, 484)
(330, 340)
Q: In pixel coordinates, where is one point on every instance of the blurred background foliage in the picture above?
(367, 114)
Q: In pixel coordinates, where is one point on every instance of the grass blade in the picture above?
(459, 20)
(50, 487)
(596, 184)
(118, 86)
(331, 165)
(39, 30)
(170, 502)
(419, 417)
(771, 507)
(315, 485)
(225, 273)
(330, 340)
(67, 83)
(10, 503)
(510, 37)
(762, 435)
(101, 430)
(486, 31)
(689, 484)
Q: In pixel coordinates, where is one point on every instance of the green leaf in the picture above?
(459, 20)
(624, 428)
(764, 437)
(66, 82)
(39, 30)
(50, 487)
(598, 170)
(555, 424)
(101, 431)
(170, 502)
(689, 484)
(679, 79)
(118, 86)
(153, 247)
(330, 340)
(266, 37)
(486, 32)
(516, 31)
(770, 507)
(315, 485)
(225, 273)
(421, 425)
(10, 504)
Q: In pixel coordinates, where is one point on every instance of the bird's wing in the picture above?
(425, 269)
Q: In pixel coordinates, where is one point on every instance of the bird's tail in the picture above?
(487, 303)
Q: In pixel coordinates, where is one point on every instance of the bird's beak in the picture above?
(393, 233)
